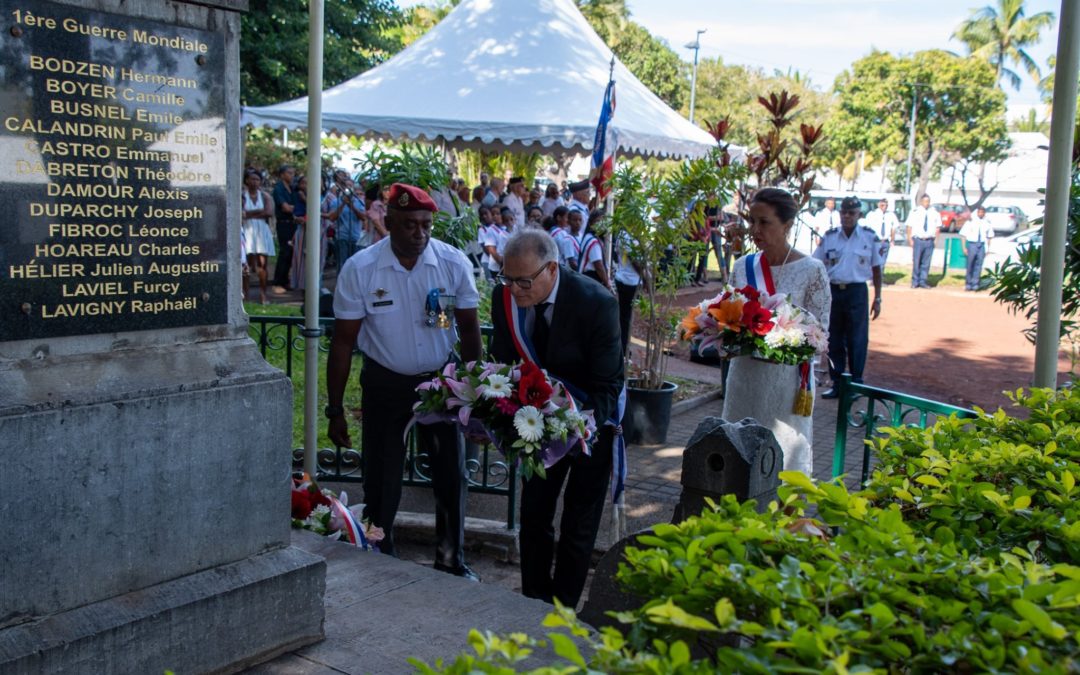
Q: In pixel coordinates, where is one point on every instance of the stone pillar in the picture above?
(144, 497)
(740, 458)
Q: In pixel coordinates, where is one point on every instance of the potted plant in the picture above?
(652, 220)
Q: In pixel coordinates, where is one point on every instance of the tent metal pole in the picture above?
(1058, 185)
(312, 240)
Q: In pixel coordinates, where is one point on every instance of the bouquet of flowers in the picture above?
(746, 321)
(324, 513)
(526, 415)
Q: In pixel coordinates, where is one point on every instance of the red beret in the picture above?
(409, 198)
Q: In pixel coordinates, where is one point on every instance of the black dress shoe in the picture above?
(464, 571)
(830, 393)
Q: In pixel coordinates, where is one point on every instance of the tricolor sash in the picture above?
(354, 531)
(759, 275)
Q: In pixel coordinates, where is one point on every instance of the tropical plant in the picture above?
(960, 556)
(653, 217)
(1015, 283)
(424, 167)
(1001, 34)
(778, 161)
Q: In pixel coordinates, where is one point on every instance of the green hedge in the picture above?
(959, 556)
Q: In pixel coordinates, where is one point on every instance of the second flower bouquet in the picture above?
(528, 416)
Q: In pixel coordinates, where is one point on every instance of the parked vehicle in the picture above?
(1006, 219)
(1002, 249)
(953, 216)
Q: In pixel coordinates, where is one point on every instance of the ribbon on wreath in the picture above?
(515, 321)
(759, 275)
(353, 530)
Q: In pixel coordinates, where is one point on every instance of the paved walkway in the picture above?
(381, 611)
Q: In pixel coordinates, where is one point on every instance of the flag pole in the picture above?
(610, 201)
(312, 331)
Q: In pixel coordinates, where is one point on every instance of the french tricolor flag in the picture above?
(603, 154)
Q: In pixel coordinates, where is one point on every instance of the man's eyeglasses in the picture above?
(524, 283)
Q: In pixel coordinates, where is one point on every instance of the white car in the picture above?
(1006, 248)
(1005, 219)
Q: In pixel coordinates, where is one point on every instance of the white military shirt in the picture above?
(977, 229)
(392, 301)
(826, 220)
(883, 223)
(924, 223)
(495, 235)
(575, 205)
(849, 259)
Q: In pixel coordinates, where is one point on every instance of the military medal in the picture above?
(433, 310)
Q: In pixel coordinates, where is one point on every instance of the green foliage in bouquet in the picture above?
(959, 556)
(425, 167)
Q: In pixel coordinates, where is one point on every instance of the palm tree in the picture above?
(1001, 34)
(1031, 123)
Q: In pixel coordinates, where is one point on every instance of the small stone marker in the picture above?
(740, 458)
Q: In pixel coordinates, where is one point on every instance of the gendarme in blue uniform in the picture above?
(849, 260)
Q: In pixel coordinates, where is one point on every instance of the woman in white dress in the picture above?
(258, 208)
(766, 391)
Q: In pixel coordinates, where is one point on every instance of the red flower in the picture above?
(506, 406)
(756, 318)
(304, 501)
(750, 292)
(533, 388)
(301, 504)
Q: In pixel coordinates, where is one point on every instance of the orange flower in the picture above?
(728, 313)
(689, 324)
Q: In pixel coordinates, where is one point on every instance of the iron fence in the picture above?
(866, 408)
(486, 470)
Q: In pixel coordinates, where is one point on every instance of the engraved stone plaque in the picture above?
(112, 173)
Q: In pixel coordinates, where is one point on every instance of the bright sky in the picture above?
(820, 38)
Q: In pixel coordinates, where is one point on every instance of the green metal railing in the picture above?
(867, 408)
(486, 471)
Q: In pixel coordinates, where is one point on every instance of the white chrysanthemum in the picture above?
(319, 511)
(556, 426)
(497, 386)
(784, 337)
(529, 423)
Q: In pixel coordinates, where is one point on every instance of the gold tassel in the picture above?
(804, 403)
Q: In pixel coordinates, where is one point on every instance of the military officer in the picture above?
(974, 235)
(884, 224)
(399, 301)
(852, 255)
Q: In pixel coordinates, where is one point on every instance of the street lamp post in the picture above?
(695, 45)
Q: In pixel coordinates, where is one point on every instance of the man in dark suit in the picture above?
(572, 323)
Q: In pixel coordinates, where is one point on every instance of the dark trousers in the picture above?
(285, 231)
(387, 401)
(849, 331)
(976, 253)
(922, 250)
(583, 506)
(626, 310)
(722, 252)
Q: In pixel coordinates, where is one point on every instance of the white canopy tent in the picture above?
(514, 75)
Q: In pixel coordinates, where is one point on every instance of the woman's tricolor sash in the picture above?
(759, 275)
